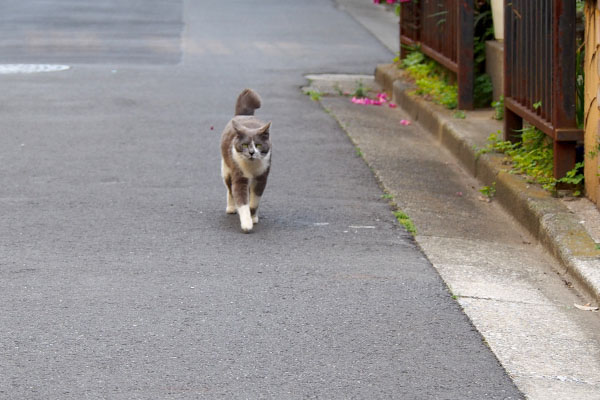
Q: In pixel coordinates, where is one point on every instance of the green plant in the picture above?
(358, 152)
(482, 90)
(435, 83)
(460, 114)
(574, 177)
(387, 196)
(439, 90)
(594, 153)
(533, 156)
(431, 79)
(488, 191)
(361, 91)
(414, 57)
(405, 221)
(315, 95)
(499, 108)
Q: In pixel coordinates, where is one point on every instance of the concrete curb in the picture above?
(545, 217)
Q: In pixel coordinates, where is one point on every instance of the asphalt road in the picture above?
(121, 276)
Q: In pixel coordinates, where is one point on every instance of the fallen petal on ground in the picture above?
(586, 307)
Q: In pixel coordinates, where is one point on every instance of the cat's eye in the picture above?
(245, 146)
(258, 146)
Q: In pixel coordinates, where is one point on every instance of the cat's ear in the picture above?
(237, 126)
(264, 131)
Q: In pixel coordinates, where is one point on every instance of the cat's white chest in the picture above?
(252, 168)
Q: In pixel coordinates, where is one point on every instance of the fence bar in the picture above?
(465, 62)
(512, 122)
(444, 29)
(410, 25)
(539, 73)
(563, 82)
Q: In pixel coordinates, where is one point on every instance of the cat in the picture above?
(246, 159)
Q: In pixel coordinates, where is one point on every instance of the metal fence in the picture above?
(539, 74)
(444, 31)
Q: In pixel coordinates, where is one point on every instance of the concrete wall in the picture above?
(592, 112)
(494, 65)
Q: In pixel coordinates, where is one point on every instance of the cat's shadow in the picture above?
(273, 222)
(231, 223)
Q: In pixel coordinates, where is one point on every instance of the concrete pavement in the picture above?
(503, 278)
(122, 277)
(518, 295)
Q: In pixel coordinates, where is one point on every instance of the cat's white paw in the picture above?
(255, 219)
(245, 218)
(247, 229)
(230, 210)
(247, 225)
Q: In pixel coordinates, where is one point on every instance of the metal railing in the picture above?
(444, 31)
(540, 75)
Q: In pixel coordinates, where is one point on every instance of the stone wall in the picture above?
(592, 112)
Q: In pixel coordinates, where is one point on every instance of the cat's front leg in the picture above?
(254, 200)
(240, 196)
(226, 174)
(256, 190)
(230, 209)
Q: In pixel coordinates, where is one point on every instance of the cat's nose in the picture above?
(251, 152)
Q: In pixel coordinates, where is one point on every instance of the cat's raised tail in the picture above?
(247, 102)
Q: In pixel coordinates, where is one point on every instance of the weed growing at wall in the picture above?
(405, 221)
(432, 80)
(436, 83)
(499, 108)
(533, 157)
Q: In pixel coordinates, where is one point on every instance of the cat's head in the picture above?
(252, 143)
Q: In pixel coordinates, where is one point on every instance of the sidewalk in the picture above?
(569, 228)
(518, 265)
(507, 283)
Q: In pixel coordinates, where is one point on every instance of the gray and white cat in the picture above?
(246, 159)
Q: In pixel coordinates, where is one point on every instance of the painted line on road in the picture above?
(31, 68)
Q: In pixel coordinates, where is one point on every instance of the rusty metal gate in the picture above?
(444, 31)
(540, 75)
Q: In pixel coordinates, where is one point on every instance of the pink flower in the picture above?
(371, 102)
(392, 105)
(366, 101)
(405, 122)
